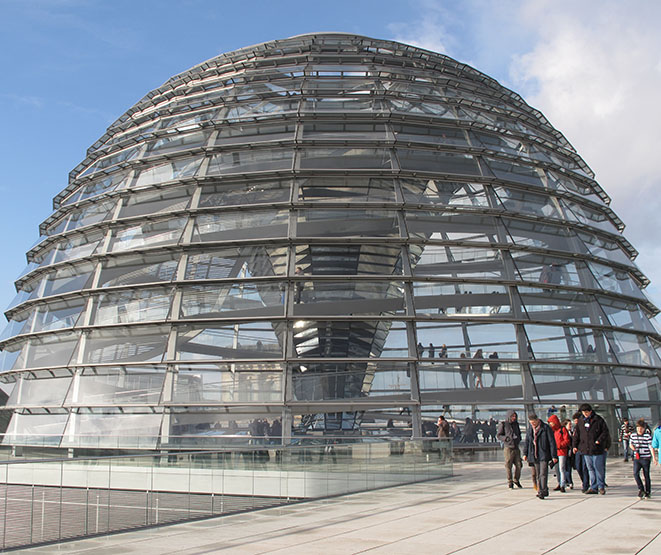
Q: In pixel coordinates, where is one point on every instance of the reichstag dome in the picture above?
(327, 234)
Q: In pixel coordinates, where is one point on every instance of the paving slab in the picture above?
(470, 513)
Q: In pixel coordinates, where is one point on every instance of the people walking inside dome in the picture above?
(539, 449)
(477, 367)
(509, 432)
(624, 433)
(494, 366)
(591, 440)
(563, 445)
(464, 369)
(643, 454)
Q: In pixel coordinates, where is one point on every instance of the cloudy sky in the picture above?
(71, 67)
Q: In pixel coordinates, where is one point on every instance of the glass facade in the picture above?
(324, 234)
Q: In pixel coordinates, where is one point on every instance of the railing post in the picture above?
(31, 511)
(59, 525)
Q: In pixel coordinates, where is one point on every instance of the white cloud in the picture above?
(594, 72)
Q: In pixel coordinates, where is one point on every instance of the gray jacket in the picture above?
(509, 432)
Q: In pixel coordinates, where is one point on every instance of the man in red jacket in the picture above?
(562, 443)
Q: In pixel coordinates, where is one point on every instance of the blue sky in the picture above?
(71, 67)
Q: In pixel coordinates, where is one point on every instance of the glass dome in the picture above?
(324, 234)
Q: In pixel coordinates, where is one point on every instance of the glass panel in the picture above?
(603, 248)
(50, 350)
(117, 386)
(144, 305)
(443, 299)
(245, 261)
(626, 315)
(261, 109)
(529, 203)
(429, 134)
(253, 426)
(138, 268)
(631, 348)
(35, 429)
(331, 381)
(249, 133)
(637, 384)
(92, 214)
(227, 300)
(364, 339)
(541, 235)
(248, 161)
(345, 158)
(619, 281)
(243, 194)
(160, 201)
(235, 383)
(149, 234)
(551, 269)
(561, 182)
(344, 131)
(77, 246)
(511, 171)
(339, 189)
(19, 323)
(168, 171)
(12, 355)
(441, 380)
(342, 104)
(589, 216)
(463, 338)
(572, 382)
(116, 345)
(408, 106)
(443, 193)
(460, 262)
(451, 226)
(31, 392)
(177, 142)
(233, 226)
(334, 298)
(113, 159)
(498, 143)
(347, 223)
(67, 279)
(437, 161)
(119, 430)
(63, 314)
(230, 341)
(561, 306)
(100, 185)
(348, 260)
(566, 343)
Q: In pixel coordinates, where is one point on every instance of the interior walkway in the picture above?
(474, 512)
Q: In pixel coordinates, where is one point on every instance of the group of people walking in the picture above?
(581, 444)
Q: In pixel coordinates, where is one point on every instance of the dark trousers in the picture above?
(542, 471)
(513, 458)
(582, 470)
(644, 465)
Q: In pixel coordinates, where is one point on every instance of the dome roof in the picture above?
(289, 232)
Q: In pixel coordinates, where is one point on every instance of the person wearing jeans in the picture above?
(641, 447)
(562, 443)
(592, 438)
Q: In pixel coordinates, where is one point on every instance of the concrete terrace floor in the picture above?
(473, 512)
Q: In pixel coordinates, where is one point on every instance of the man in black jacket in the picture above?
(540, 449)
(592, 439)
(509, 433)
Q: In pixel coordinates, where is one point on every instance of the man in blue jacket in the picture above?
(656, 442)
(540, 449)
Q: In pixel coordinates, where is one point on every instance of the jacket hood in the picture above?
(554, 422)
(510, 413)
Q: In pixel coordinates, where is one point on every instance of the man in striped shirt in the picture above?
(640, 443)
